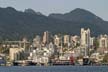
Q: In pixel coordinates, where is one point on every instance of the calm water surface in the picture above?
(55, 69)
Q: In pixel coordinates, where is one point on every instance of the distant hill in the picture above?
(17, 24)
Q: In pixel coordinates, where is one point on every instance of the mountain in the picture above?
(16, 24)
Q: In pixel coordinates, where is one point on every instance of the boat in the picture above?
(86, 61)
(2, 61)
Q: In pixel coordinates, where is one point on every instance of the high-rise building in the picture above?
(85, 37)
(66, 39)
(46, 37)
(85, 40)
(37, 41)
(75, 40)
(103, 41)
(92, 41)
(56, 40)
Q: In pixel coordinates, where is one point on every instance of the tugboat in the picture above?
(86, 61)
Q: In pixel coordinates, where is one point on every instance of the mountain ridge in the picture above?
(78, 12)
(16, 24)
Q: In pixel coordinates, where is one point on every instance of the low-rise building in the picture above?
(16, 53)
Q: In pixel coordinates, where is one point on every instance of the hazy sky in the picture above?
(98, 7)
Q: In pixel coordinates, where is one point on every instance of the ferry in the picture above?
(64, 62)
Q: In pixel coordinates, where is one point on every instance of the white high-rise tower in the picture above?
(85, 40)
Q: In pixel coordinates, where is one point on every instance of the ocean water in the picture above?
(54, 69)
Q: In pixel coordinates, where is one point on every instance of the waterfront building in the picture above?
(16, 54)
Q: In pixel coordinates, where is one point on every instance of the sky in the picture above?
(98, 7)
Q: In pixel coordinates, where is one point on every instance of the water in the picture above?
(55, 69)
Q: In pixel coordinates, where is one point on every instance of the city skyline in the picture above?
(57, 49)
(62, 6)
